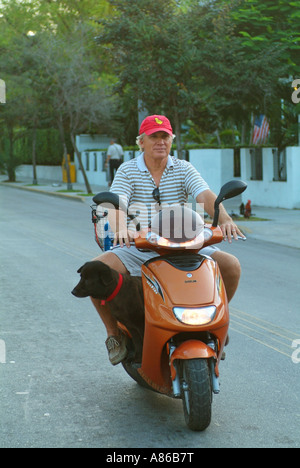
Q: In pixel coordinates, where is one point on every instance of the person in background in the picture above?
(114, 158)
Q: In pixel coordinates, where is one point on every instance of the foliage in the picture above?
(52, 70)
(209, 65)
(48, 147)
(153, 54)
(267, 29)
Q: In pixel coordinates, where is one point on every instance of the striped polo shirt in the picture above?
(135, 184)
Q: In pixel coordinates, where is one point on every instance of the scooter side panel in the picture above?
(165, 288)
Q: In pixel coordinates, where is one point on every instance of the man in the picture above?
(151, 178)
(114, 158)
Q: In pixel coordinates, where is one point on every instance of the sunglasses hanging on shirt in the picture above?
(156, 196)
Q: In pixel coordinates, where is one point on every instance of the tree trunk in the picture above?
(233, 137)
(78, 154)
(178, 134)
(63, 140)
(218, 137)
(34, 181)
(243, 137)
(11, 166)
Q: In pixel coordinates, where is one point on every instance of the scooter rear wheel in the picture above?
(196, 393)
(132, 371)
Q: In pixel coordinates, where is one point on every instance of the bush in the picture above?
(49, 150)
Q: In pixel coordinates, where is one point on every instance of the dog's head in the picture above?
(97, 280)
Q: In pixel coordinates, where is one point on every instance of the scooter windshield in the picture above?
(177, 227)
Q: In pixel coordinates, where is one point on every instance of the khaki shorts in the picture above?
(133, 259)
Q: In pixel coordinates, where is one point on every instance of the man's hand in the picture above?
(124, 237)
(230, 229)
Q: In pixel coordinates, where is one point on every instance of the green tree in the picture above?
(47, 50)
(151, 50)
(77, 97)
(267, 29)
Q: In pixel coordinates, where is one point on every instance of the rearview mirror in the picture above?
(109, 199)
(229, 190)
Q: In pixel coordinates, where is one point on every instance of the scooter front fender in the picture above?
(191, 349)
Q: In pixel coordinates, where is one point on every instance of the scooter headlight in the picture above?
(200, 316)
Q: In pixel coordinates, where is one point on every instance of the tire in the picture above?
(132, 371)
(196, 393)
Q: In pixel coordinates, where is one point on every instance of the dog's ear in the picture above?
(105, 274)
(80, 269)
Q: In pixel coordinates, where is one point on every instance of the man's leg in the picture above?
(109, 321)
(114, 165)
(230, 270)
(116, 344)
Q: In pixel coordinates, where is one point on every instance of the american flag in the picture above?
(261, 130)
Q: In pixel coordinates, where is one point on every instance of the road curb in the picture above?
(44, 192)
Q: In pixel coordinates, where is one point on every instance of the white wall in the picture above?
(93, 164)
(294, 174)
(51, 173)
(268, 192)
(95, 173)
(92, 142)
(215, 165)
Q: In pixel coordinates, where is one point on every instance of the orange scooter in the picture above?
(186, 313)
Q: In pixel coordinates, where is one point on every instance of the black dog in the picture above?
(100, 282)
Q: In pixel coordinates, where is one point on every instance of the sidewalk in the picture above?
(54, 188)
(282, 227)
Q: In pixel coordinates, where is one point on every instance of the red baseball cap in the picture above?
(156, 123)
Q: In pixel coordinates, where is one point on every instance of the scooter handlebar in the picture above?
(211, 235)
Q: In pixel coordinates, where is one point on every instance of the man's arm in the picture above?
(229, 228)
(108, 156)
(110, 152)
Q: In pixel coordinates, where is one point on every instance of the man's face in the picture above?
(157, 145)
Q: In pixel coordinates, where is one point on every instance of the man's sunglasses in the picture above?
(156, 195)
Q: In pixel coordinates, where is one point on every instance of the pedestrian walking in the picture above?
(114, 158)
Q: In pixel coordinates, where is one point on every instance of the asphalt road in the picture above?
(57, 388)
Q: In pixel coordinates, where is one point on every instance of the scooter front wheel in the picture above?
(196, 393)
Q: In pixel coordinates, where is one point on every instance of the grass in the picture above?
(81, 194)
(252, 218)
(68, 191)
(238, 219)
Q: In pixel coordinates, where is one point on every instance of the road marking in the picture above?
(263, 332)
(257, 320)
(261, 342)
(277, 338)
(2, 352)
